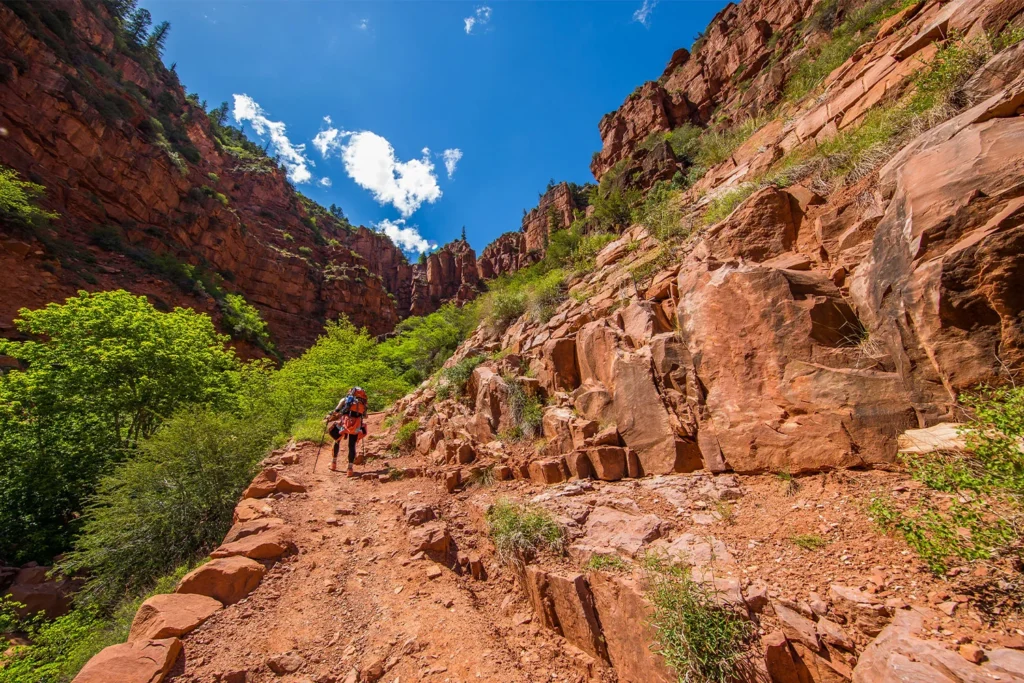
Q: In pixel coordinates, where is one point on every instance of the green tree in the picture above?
(18, 200)
(101, 372)
(158, 38)
(138, 25)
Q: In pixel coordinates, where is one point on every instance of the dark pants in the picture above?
(338, 435)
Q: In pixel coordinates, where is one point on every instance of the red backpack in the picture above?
(352, 419)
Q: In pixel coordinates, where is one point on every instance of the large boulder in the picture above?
(611, 529)
(171, 615)
(249, 509)
(757, 334)
(490, 395)
(760, 228)
(268, 544)
(944, 269)
(141, 661)
(271, 481)
(227, 579)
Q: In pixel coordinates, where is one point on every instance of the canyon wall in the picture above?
(152, 200)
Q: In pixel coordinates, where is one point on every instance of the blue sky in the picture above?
(517, 88)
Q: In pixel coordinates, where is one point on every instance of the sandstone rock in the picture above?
(610, 528)
(900, 653)
(271, 481)
(556, 424)
(253, 527)
(37, 593)
(171, 615)
(796, 626)
(142, 661)
(608, 462)
(431, 539)
(249, 509)
(863, 609)
(578, 463)
(285, 663)
(781, 663)
(624, 615)
(266, 545)
(548, 471)
(558, 369)
(415, 515)
(426, 441)
(227, 579)
(762, 227)
(833, 634)
(566, 605)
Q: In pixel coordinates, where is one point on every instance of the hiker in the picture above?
(347, 419)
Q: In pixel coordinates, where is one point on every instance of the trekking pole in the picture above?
(320, 447)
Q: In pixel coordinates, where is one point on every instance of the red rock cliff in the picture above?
(148, 196)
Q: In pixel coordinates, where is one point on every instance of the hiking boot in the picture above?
(334, 466)
(351, 472)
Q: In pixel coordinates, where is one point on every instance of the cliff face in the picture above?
(449, 274)
(151, 200)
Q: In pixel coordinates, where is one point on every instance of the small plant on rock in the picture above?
(482, 476)
(789, 484)
(606, 563)
(520, 531)
(809, 541)
(700, 638)
(405, 437)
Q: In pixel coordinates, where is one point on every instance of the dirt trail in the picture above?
(354, 598)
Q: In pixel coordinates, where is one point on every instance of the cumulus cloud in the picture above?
(363, 24)
(451, 160)
(643, 15)
(406, 237)
(324, 182)
(478, 19)
(292, 156)
(371, 162)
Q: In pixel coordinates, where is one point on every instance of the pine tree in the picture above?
(463, 233)
(120, 9)
(138, 26)
(158, 38)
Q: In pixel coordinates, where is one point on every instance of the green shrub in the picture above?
(660, 212)
(520, 531)
(244, 321)
(699, 638)
(452, 380)
(18, 200)
(405, 438)
(305, 251)
(169, 504)
(482, 476)
(527, 411)
(723, 205)
(106, 369)
(984, 518)
(422, 344)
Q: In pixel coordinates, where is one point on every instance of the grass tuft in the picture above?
(520, 531)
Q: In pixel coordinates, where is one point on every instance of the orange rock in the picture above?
(226, 579)
(272, 481)
(141, 661)
(171, 615)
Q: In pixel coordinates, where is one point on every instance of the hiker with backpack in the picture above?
(348, 419)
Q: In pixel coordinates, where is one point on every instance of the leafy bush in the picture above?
(244, 320)
(107, 369)
(520, 531)
(699, 638)
(527, 411)
(172, 502)
(452, 381)
(405, 438)
(660, 212)
(422, 344)
(18, 200)
(984, 517)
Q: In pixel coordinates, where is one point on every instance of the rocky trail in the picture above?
(360, 601)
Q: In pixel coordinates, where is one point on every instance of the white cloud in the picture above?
(324, 182)
(451, 160)
(292, 156)
(406, 237)
(480, 18)
(643, 15)
(371, 162)
(363, 24)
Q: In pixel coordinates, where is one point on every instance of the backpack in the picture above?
(353, 412)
